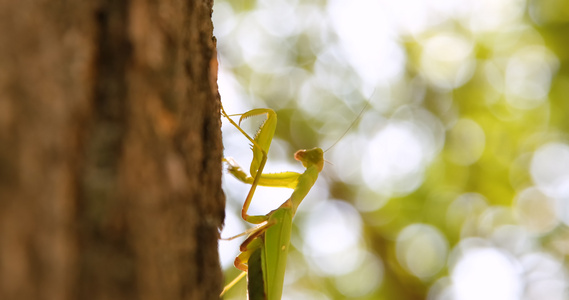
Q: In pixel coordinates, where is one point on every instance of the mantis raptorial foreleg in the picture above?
(271, 238)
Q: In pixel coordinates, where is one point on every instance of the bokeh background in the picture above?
(453, 184)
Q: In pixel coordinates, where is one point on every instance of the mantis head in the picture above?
(314, 156)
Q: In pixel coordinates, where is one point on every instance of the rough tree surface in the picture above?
(110, 150)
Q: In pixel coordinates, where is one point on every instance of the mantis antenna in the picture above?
(351, 125)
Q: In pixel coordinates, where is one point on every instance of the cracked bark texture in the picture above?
(110, 150)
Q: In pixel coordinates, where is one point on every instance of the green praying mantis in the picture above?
(264, 251)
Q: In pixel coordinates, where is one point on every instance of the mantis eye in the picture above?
(299, 155)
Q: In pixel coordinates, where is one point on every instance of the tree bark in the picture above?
(110, 150)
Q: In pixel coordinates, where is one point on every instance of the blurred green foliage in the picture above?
(454, 184)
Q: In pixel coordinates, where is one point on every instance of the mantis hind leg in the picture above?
(251, 245)
(255, 282)
(254, 241)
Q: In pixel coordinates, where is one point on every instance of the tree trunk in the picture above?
(110, 150)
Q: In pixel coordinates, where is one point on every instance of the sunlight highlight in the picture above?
(486, 274)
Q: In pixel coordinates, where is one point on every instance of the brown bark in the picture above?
(110, 150)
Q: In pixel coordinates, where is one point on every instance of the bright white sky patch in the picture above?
(447, 60)
(546, 277)
(489, 15)
(394, 160)
(528, 76)
(332, 226)
(275, 16)
(331, 234)
(550, 169)
(396, 157)
(414, 16)
(362, 281)
(486, 274)
(368, 39)
(550, 172)
(422, 250)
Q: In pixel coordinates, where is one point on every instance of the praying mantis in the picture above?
(264, 251)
